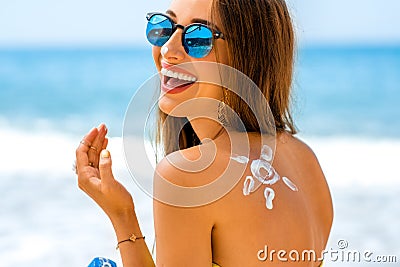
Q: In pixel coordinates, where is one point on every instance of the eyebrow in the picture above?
(194, 20)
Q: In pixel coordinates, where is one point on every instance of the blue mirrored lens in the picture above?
(198, 41)
(159, 30)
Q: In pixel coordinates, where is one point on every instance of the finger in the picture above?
(105, 167)
(93, 149)
(105, 144)
(96, 147)
(83, 148)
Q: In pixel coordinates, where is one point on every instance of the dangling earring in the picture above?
(221, 111)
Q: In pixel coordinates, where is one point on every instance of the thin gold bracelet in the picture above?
(132, 238)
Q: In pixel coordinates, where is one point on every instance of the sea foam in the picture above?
(345, 161)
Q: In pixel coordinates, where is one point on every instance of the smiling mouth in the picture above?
(174, 79)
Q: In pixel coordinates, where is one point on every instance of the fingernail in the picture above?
(105, 154)
(102, 127)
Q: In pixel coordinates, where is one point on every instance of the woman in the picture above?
(248, 223)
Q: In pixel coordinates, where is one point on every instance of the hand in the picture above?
(95, 177)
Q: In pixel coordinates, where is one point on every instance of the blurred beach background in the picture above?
(66, 66)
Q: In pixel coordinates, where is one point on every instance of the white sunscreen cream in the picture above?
(262, 170)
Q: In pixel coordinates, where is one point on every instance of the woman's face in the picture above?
(172, 53)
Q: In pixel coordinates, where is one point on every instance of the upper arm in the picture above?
(183, 234)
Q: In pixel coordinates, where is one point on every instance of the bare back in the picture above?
(241, 230)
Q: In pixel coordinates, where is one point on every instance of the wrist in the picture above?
(132, 238)
(125, 224)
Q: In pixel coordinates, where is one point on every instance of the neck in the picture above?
(206, 129)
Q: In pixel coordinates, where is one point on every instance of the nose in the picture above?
(173, 50)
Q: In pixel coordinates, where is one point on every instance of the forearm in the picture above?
(133, 254)
(95, 178)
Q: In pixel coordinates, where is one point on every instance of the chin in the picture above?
(164, 106)
(173, 106)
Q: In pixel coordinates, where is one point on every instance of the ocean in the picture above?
(345, 104)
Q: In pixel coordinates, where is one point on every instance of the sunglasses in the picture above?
(197, 38)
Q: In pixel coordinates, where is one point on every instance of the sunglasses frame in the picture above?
(215, 33)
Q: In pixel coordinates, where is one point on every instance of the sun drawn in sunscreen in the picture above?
(263, 172)
(269, 195)
(248, 185)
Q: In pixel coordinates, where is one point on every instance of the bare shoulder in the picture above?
(176, 213)
(186, 177)
(187, 167)
(290, 149)
(287, 141)
(295, 158)
(294, 155)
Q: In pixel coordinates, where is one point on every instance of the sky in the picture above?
(122, 22)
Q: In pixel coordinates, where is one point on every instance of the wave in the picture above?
(45, 153)
(350, 161)
(346, 161)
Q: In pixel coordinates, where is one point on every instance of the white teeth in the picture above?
(170, 73)
(177, 75)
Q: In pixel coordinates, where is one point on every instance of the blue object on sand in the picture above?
(102, 262)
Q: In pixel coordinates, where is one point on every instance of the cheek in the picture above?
(223, 53)
(208, 90)
(156, 56)
(219, 54)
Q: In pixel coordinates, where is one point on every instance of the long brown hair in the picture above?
(260, 41)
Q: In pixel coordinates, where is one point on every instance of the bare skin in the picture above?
(231, 230)
(98, 182)
(217, 232)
